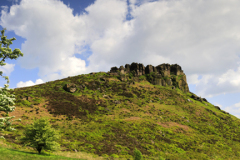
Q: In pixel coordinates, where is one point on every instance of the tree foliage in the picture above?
(40, 135)
(6, 99)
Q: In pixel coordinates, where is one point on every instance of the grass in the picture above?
(10, 154)
(108, 119)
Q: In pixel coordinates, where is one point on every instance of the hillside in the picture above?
(148, 108)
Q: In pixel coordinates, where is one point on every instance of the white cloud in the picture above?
(29, 83)
(201, 36)
(7, 69)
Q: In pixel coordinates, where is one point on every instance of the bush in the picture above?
(137, 155)
(40, 135)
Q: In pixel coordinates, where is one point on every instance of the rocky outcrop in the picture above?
(164, 74)
(195, 97)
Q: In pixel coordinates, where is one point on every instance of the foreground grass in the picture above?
(12, 154)
(8, 153)
(111, 118)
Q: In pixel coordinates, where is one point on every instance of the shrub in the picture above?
(137, 155)
(40, 135)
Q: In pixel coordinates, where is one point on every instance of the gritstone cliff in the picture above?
(163, 75)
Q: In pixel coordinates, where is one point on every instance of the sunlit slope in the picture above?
(106, 114)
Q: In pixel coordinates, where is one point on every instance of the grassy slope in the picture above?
(156, 120)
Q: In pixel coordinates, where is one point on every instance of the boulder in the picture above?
(205, 99)
(217, 107)
(197, 98)
(224, 112)
(70, 87)
(26, 98)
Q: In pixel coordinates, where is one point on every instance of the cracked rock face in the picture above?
(164, 74)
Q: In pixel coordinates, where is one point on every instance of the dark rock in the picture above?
(217, 107)
(176, 70)
(205, 99)
(164, 69)
(26, 98)
(224, 112)
(149, 69)
(138, 68)
(127, 68)
(70, 87)
(114, 70)
(193, 96)
(92, 73)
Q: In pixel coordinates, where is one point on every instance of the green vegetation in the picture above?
(111, 118)
(40, 136)
(10, 154)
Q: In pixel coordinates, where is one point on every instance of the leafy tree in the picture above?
(40, 135)
(6, 99)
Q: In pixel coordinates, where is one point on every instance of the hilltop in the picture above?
(110, 114)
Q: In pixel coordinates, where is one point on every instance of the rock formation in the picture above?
(164, 74)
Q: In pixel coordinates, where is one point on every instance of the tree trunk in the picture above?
(39, 148)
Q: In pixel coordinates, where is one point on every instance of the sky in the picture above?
(61, 38)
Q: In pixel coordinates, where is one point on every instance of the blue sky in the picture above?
(61, 38)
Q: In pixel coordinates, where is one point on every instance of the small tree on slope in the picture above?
(6, 99)
(40, 135)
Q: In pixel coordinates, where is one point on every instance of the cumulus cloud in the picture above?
(29, 83)
(201, 36)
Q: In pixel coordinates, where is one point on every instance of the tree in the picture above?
(6, 99)
(40, 135)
